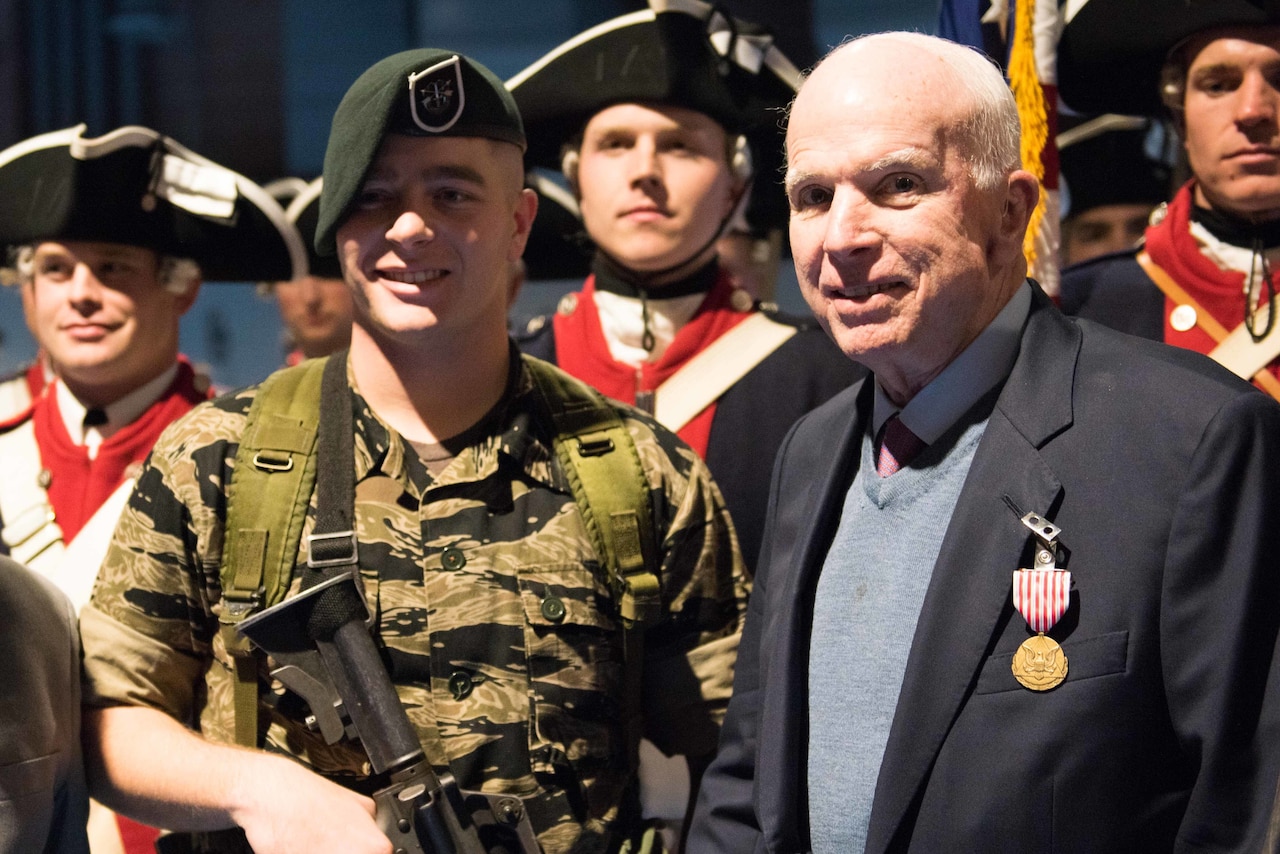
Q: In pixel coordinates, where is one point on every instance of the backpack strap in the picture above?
(275, 474)
(271, 484)
(599, 458)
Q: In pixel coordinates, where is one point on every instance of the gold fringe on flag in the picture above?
(1028, 93)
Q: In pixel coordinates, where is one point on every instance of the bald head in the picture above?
(908, 208)
(963, 89)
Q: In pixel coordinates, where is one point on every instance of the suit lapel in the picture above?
(969, 589)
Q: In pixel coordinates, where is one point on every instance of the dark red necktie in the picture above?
(898, 446)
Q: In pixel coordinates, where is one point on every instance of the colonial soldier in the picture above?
(1202, 280)
(315, 308)
(662, 120)
(522, 659)
(1112, 183)
(110, 239)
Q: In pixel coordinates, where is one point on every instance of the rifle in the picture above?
(337, 670)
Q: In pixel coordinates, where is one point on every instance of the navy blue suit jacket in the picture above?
(1160, 468)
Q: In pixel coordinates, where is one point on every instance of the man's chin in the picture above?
(1257, 199)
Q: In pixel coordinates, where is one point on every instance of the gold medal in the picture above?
(1040, 664)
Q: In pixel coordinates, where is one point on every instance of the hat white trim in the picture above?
(308, 194)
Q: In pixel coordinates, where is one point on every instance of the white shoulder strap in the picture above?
(78, 569)
(1243, 356)
(712, 372)
(29, 530)
(15, 397)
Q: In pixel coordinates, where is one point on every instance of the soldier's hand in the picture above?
(287, 809)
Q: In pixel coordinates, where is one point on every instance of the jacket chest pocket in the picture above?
(573, 646)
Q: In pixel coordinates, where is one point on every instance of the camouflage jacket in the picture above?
(457, 568)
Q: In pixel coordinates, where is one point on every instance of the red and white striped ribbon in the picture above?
(1041, 596)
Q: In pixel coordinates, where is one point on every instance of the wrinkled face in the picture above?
(1104, 229)
(102, 315)
(1232, 135)
(654, 184)
(896, 250)
(428, 245)
(317, 312)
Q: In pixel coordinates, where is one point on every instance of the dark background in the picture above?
(252, 84)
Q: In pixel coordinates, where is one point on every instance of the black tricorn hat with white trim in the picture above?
(1111, 51)
(301, 199)
(558, 247)
(679, 53)
(137, 187)
(1105, 161)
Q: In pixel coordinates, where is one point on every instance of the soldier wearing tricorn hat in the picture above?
(315, 308)
(1203, 280)
(111, 237)
(1112, 184)
(664, 122)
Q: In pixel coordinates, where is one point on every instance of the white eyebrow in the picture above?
(794, 178)
(909, 158)
(906, 158)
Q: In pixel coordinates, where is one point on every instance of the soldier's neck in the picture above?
(429, 397)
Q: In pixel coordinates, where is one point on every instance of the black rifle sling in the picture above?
(332, 547)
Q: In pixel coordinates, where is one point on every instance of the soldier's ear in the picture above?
(569, 159)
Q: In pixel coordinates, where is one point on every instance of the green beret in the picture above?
(424, 92)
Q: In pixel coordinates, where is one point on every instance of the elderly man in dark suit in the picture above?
(1010, 597)
(43, 800)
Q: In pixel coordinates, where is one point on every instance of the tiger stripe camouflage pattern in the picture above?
(509, 692)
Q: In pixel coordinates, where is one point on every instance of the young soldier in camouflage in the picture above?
(494, 617)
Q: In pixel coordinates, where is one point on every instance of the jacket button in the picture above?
(460, 685)
(453, 558)
(553, 609)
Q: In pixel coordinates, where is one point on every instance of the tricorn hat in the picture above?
(302, 207)
(1111, 51)
(137, 187)
(558, 247)
(680, 53)
(1105, 162)
(424, 92)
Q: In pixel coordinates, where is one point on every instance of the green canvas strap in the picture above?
(600, 459)
(608, 482)
(275, 474)
(267, 501)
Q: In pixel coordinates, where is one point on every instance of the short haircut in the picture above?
(991, 128)
(176, 275)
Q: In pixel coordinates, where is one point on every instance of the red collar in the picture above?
(581, 349)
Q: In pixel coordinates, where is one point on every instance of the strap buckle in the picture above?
(266, 462)
(331, 543)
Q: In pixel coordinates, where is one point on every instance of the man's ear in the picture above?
(526, 211)
(185, 300)
(1022, 191)
(569, 159)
